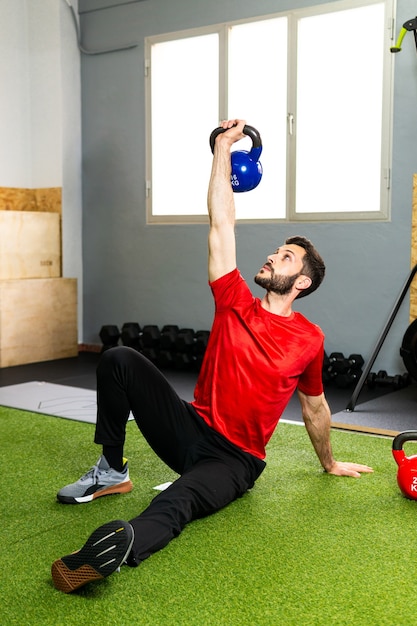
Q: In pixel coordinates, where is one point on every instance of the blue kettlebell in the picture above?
(246, 168)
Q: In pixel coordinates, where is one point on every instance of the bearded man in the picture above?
(259, 353)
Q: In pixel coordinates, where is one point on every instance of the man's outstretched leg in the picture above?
(102, 554)
(204, 488)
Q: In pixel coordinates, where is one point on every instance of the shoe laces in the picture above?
(93, 474)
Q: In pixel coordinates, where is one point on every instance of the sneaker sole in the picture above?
(112, 490)
(102, 554)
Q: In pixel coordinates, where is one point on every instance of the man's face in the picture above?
(282, 269)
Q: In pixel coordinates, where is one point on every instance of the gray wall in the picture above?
(157, 274)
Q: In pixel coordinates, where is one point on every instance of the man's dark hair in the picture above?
(313, 264)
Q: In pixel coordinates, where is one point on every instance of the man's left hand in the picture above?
(349, 469)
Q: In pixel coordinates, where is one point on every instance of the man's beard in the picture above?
(276, 283)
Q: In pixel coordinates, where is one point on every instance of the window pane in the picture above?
(185, 97)
(339, 111)
(257, 85)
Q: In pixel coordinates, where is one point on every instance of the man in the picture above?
(259, 353)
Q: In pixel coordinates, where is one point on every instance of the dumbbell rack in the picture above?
(352, 402)
(170, 347)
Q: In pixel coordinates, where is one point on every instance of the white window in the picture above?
(185, 94)
(316, 83)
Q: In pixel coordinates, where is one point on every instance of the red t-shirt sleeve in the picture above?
(229, 290)
(311, 380)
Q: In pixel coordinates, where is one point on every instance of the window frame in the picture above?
(293, 16)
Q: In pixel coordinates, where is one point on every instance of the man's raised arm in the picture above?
(221, 204)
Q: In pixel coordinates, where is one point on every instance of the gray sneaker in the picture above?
(100, 480)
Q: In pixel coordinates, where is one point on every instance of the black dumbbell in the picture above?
(350, 370)
(131, 335)
(382, 379)
(169, 334)
(201, 341)
(376, 378)
(165, 359)
(109, 335)
(184, 361)
(355, 361)
(348, 379)
(150, 336)
(338, 364)
(184, 340)
(325, 373)
(406, 380)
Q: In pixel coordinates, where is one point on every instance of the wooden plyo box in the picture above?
(38, 320)
(30, 244)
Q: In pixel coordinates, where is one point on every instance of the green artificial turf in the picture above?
(302, 548)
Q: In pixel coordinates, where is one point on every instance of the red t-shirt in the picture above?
(253, 363)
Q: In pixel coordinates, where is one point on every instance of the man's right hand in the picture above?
(233, 133)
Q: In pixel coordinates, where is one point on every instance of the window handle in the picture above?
(290, 119)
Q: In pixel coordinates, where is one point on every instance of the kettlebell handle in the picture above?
(250, 131)
(401, 438)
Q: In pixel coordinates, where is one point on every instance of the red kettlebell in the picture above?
(407, 465)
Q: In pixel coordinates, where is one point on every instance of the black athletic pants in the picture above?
(213, 471)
